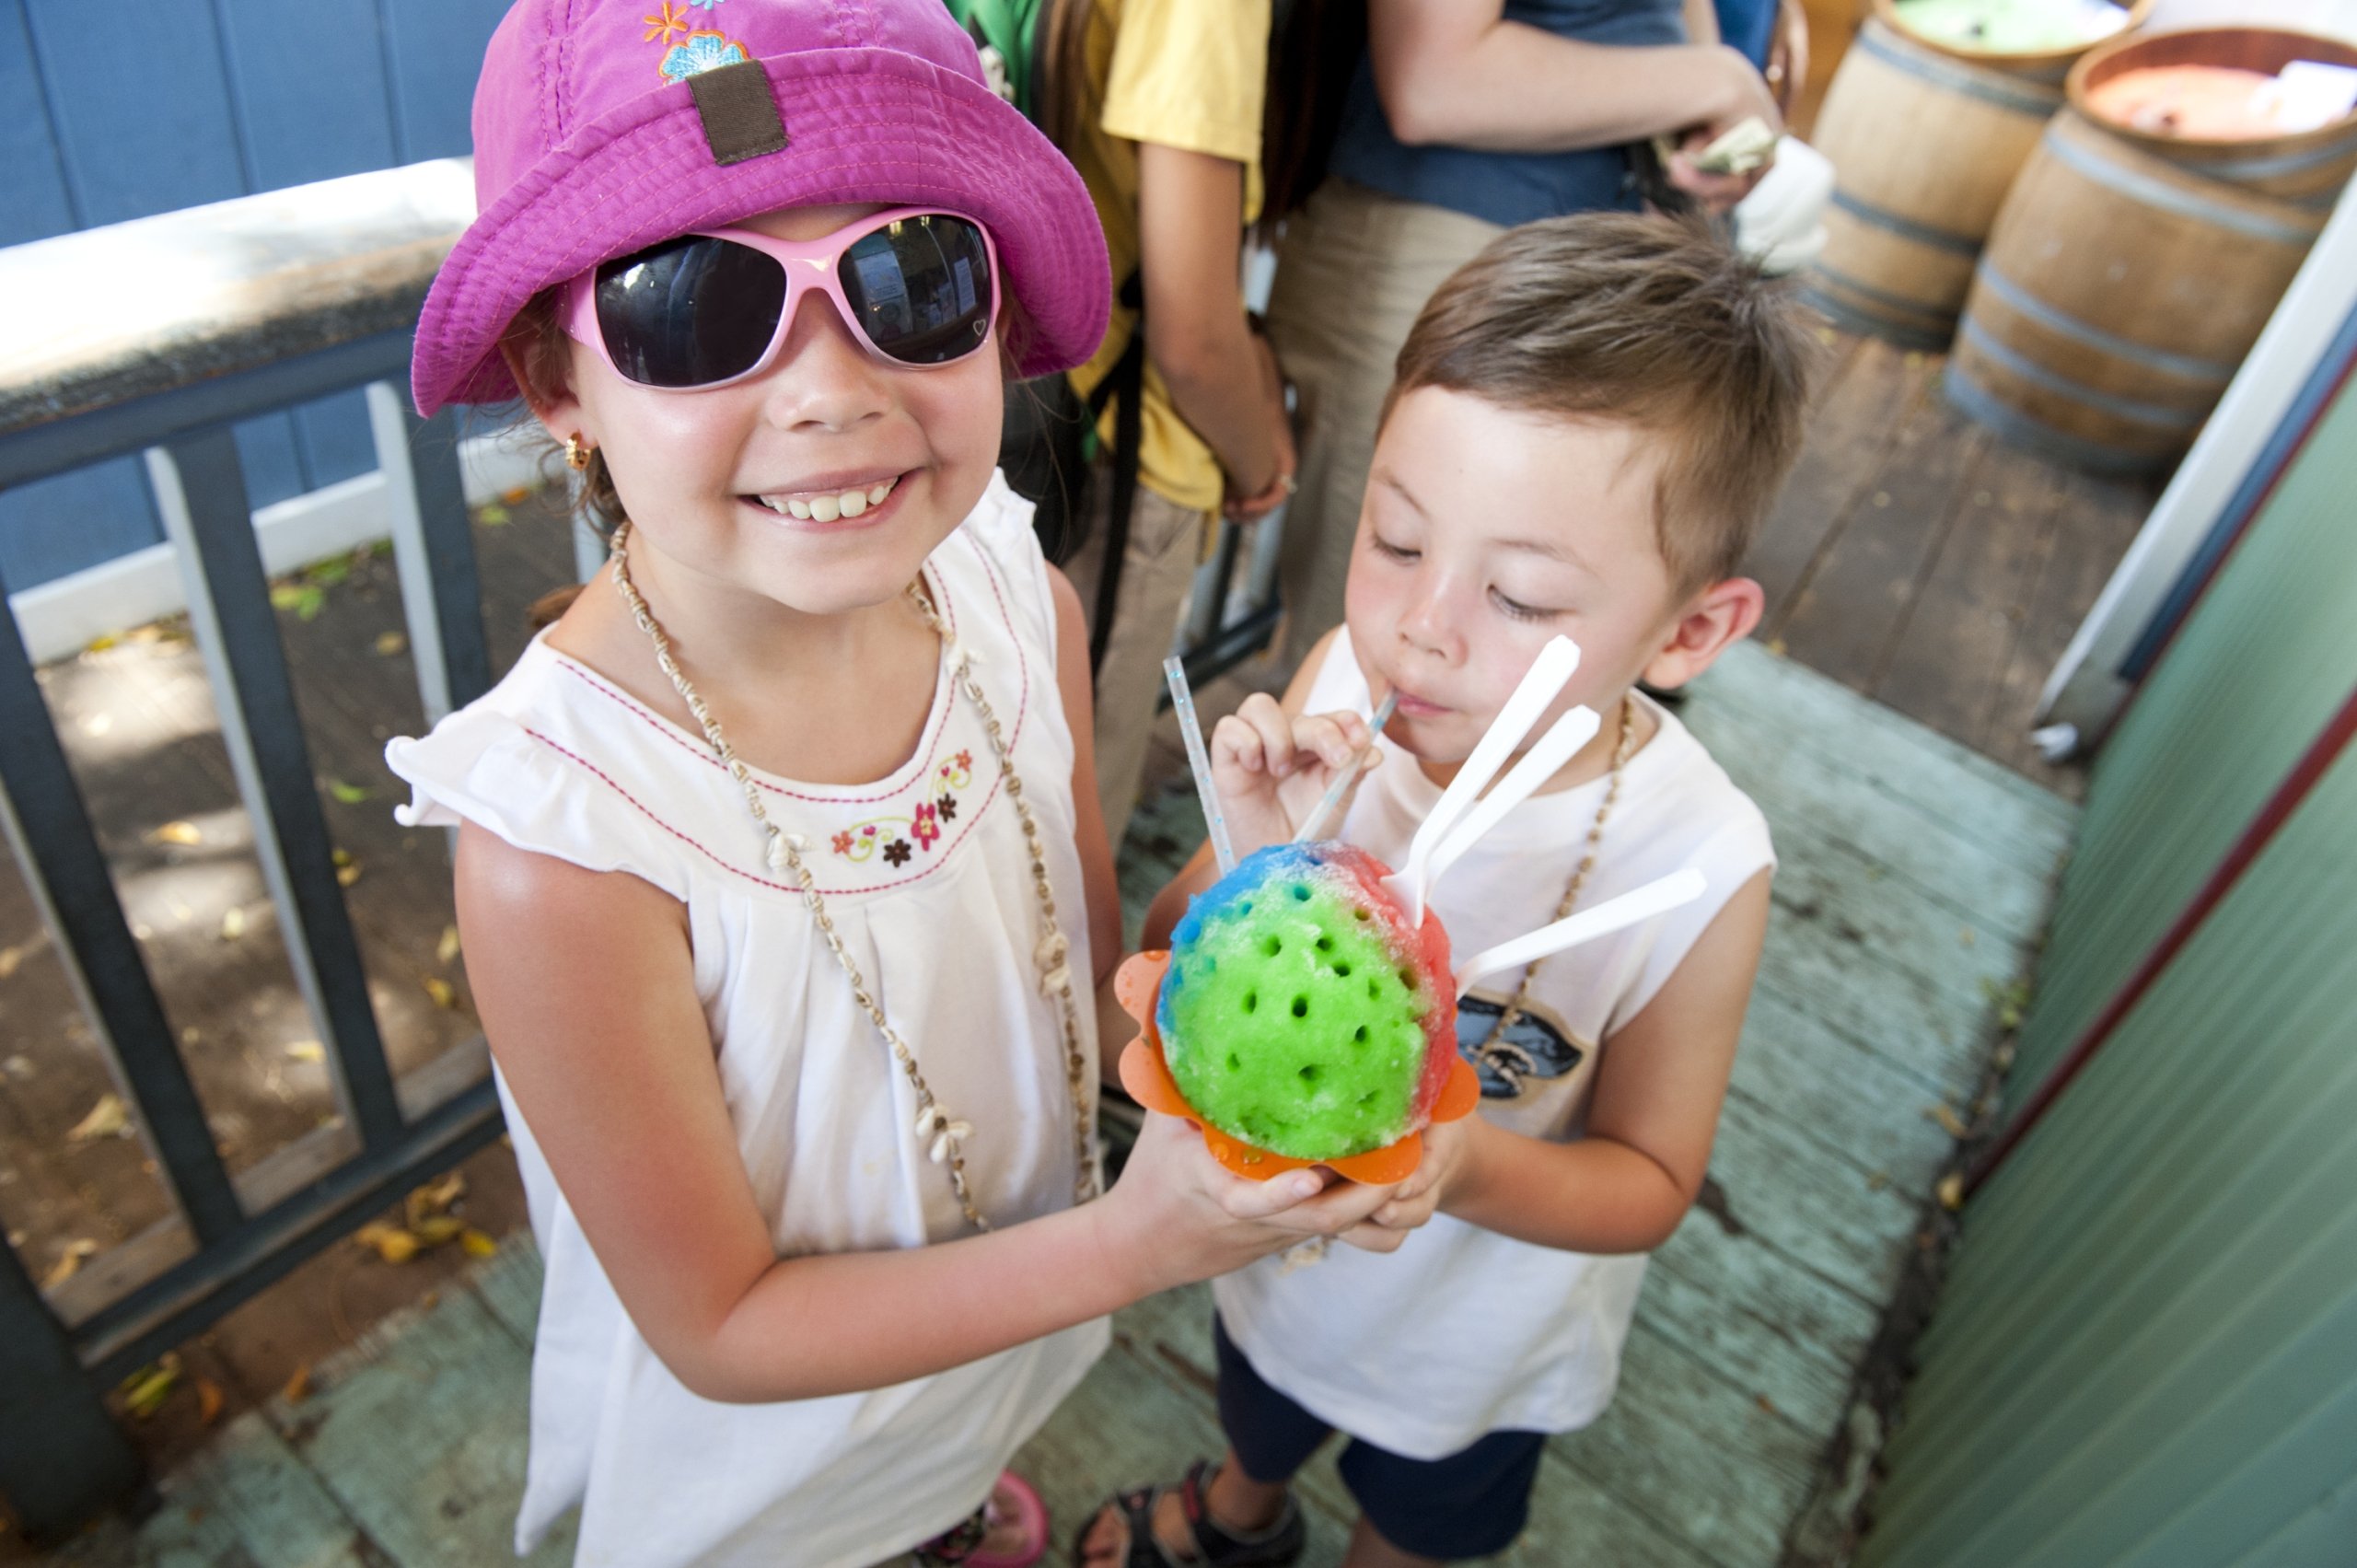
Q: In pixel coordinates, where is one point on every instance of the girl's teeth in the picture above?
(826, 509)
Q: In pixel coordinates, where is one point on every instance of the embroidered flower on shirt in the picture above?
(897, 852)
(947, 807)
(925, 830)
(956, 773)
(703, 52)
(842, 843)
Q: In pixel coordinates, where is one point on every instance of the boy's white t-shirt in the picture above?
(929, 884)
(1463, 1331)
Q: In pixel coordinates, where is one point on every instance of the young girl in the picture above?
(779, 866)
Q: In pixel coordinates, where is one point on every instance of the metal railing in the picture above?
(155, 337)
(250, 306)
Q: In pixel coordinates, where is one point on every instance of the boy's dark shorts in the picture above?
(1469, 1505)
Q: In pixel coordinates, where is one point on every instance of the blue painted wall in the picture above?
(113, 114)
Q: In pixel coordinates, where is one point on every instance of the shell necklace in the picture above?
(1511, 1063)
(947, 1133)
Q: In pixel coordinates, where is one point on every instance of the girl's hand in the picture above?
(1184, 1217)
(1271, 769)
(1415, 1199)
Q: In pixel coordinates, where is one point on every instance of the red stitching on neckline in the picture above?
(942, 860)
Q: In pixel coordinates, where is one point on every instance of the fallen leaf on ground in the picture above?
(233, 924)
(476, 1243)
(101, 643)
(436, 1197)
(1951, 1191)
(308, 1050)
(389, 1242)
(145, 1391)
(491, 514)
(70, 1264)
(349, 793)
(299, 1388)
(340, 857)
(517, 496)
(447, 949)
(346, 875)
(108, 1119)
(1950, 1122)
(436, 1230)
(442, 993)
(11, 957)
(392, 643)
(209, 1400)
(178, 834)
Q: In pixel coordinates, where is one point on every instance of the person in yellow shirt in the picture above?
(1162, 116)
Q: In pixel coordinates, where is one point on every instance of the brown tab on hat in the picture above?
(740, 117)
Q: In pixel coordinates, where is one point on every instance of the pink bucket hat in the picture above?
(602, 126)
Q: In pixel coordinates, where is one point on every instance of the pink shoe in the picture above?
(1012, 1501)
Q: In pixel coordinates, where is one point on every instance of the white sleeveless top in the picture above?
(929, 885)
(1463, 1331)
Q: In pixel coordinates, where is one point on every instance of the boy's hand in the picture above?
(1271, 769)
(1182, 1216)
(1414, 1200)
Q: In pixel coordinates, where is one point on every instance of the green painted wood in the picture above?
(2147, 1352)
(248, 1488)
(2252, 678)
(418, 1432)
(1849, 1100)
(2316, 1539)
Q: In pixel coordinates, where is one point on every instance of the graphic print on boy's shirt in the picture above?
(1538, 1046)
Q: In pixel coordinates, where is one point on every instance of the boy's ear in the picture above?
(1713, 621)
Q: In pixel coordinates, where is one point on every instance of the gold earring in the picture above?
(576, 452)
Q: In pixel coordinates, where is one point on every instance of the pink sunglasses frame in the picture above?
(809, 264)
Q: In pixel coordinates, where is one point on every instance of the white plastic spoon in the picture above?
(1539, 764)
(1545, 677)
(1613, 914)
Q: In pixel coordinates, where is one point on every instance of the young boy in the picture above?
(1588, 420)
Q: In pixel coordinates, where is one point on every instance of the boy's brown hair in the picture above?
(1647, 319)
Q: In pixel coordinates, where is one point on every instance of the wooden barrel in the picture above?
(2047, 65)
(1923, 145)
(2308, 166)
(2116, 300)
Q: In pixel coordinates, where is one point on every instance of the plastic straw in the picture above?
(1183, 701)
(1315, 822)
(1567, 735)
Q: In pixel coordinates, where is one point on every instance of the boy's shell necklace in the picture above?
(947, 1132)
(1511, 1063)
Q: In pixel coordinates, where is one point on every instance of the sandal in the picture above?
(1275, 1547)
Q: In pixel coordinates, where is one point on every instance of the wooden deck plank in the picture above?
(1851, 432)
(1848, 1099)
(1983, 797)
(1923, 848)
(249, 1485)
(1948, 669)
(1845, 617)
(2094, 523)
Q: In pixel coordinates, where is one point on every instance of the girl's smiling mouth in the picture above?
(834, 501)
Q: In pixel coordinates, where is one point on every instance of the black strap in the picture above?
(1126, 382)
